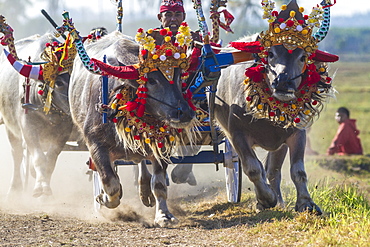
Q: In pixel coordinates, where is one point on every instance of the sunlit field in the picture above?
(352, 81)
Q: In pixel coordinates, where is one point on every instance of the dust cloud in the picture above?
(73, 189)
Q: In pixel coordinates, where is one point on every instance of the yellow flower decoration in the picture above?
(283, 7)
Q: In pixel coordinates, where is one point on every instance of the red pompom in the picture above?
(184, 24)
(144, 125)
(142, 88)
(163, 32)
(89, 36)
(179, 130)
(137, 137)
(171, 82)
(184, 85)
(140, 30)
(290, 51)
(169, 33)
(297, 120)
(60, 69)
(281, 20)
(277, 102)
(140, 110)
(249, 98)
(271, 98)
(131, 105)
(137, 120)
(47, 44)
(272, 114)
(301, 22)
(55, 43)
(303, 91)
(254, 73)
(299, 99)
(143, 101)
(168, 52)
(119, 96)
(290, 23)
(285, 104)
(314, 102)
(305, 17)
(157, 47)
(144, 52)
(274, 13)
(160, 145)
(151, 127)
(115, 120)
(143, 78)
(40, 92)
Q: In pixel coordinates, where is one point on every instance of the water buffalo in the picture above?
(269, 103)
(37, 121)
(147, 108)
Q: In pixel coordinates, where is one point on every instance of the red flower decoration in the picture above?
(169, 33)
(163, 32)
(305, 17)
(255, 73)
(274, 13)
(140, 30)
(281, 20)
(290, 23)
(301, 22)
(168, 53)
(297, 120)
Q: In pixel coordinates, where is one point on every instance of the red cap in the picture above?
(171, 5)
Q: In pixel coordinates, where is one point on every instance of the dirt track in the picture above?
(69, 218)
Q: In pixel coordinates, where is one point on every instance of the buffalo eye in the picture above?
(59, 84)
(151, 81)
(271, 55)
(303, 59)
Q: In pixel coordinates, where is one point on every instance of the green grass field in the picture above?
(352, 81)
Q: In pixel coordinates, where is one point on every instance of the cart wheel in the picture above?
(233, 173)
(97, 188)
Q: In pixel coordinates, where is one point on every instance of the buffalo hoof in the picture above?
(184, 178)
(266, 202)
(308, 206)
(147, 199)
(165, 220)
(37, 192)
(146, 195)
(110, 201)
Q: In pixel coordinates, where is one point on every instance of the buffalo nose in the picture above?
(184, 113)
(282, 82)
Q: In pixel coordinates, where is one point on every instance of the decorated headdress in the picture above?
(136, 128)
(164, 58)
(171, 5)
(293, 30)
(58, 58)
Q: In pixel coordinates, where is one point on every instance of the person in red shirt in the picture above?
(346, 140)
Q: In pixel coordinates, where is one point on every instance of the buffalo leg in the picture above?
(112, 190)
(146, 195)
(252, 167)
(274, 162)
(17, 153)
(298, 174)
(163, 217)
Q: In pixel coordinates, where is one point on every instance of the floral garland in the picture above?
(315, 87)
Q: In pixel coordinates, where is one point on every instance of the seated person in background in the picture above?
(346, 141)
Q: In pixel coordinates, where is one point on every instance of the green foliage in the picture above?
(351, 80)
